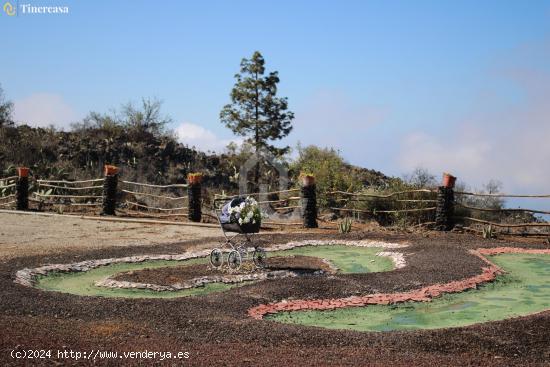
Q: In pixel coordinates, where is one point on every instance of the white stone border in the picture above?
(397, 257)
(109, 282)
(360, 243)
(28, 276)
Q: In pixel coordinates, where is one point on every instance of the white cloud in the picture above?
(44, 109)
(201, 138)
(503, 140)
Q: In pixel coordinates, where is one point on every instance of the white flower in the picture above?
(247, 211)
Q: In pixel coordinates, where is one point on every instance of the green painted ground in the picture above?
(83, 283)
(524, 290)
(347, 258)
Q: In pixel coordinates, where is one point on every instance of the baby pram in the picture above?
(238, 238)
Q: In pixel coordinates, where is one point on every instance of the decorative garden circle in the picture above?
(523, 288)
(189, 274)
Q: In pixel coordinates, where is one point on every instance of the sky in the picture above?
(456, 86)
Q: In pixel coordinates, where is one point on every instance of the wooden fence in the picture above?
(422, 207)
(7, 192)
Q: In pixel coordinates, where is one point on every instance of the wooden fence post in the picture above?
(110, 190)
(22, 189)
(194, 188)
(309, 201)
(445, 206)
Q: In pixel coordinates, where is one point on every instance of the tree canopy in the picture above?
(255, 111)
(6, 109)
(139, 122)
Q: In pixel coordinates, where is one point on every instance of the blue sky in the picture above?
(458, 86)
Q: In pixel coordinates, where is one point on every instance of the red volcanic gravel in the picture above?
(420, 295)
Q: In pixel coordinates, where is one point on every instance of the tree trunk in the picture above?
(257, 140)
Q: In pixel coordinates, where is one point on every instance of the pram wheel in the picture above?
(259, 257)
(234, 260)
(216, 258)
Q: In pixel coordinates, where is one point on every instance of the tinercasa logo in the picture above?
(9, 9)
(33, 9)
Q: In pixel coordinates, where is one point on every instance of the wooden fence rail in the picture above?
(150, 215)
(70, 187)
(11, 178)
(155, 196)
(352, 200)
(520, 225)
(154, 207)
(69, 182)
(155, 186)
(534, 211)
(69, 196)
(501, 195)
(222, 197)
(386, 211)
(381, 196)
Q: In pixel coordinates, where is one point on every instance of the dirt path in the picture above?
(22, 235)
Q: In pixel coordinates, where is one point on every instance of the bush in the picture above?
(376, 206)
(331, 172)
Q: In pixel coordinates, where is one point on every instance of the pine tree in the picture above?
(255, 111)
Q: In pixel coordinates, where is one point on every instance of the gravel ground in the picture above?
(23, 234)
(215, 328)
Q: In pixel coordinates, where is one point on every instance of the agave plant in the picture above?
(488, 232)
(345, 225)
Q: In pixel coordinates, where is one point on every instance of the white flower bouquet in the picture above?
(247, 214)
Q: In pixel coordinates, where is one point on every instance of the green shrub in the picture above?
(345, 225)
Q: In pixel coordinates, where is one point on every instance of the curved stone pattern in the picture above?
(109, 282)
(424, 294)
(397, 257)
(197, 282)
(28, 276)
(361, 243)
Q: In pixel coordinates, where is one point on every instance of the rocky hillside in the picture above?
(142, 156)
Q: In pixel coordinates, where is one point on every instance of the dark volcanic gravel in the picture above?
(215, 329)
